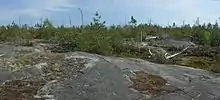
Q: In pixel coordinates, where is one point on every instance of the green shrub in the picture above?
(98, 38)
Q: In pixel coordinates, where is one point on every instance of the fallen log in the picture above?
(171, 56)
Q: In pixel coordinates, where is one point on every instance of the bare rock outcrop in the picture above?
(79, 76)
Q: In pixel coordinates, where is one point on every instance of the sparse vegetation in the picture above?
(98, 38)
(197, 62)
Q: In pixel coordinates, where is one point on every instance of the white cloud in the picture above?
(207, 10)
(38, 8)
(177, 10)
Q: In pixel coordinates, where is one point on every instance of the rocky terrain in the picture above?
(33, 73)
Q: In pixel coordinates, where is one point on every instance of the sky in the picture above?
(162, 12)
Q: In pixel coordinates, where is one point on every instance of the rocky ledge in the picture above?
(85, 76)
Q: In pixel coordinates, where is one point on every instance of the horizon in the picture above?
(162, 12)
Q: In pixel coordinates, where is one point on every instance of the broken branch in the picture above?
(171, 56)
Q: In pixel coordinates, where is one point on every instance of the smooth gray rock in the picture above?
(4, 75)
(103, 78)
(190, 83)
(101, 82)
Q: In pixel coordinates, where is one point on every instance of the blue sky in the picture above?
(113, 11)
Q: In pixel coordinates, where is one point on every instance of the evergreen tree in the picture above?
(133, 21)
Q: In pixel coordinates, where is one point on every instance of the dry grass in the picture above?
(196, 62)
(146, 82)
(21, 89)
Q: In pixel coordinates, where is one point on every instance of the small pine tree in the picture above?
(133, 21)
(97, 23)
(47, 23)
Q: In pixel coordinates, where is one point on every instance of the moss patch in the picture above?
(196, 62)
(146, 82)
(216, 67)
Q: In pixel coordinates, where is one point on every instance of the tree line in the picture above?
(96, 37)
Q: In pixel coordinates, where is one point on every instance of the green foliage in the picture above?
(133, 21)
(96, 37)
(206, 38)
(47, 23)
(215, 37)
(97, 24)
